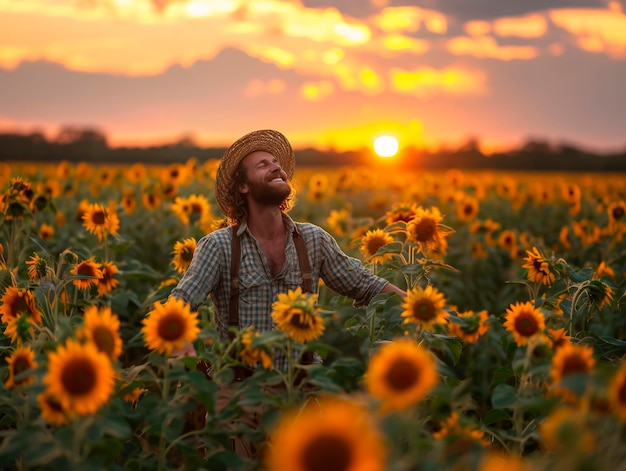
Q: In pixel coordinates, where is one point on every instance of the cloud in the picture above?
(426, 81)
(486, 46)
(602, 31)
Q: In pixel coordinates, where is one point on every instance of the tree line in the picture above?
(78, 144)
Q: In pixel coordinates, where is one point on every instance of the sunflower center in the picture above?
(374, 244)
(401, 375)
(424, 310)
(104, 340)
(186, 254)
(20, 306)
(98, 218)
(171, 327)
(86, 269)
(327, 453)
(618, 213)
(20, 365)
(425, 230)
(574, 364)
(526, 325)
(79, 377)
(299, 319)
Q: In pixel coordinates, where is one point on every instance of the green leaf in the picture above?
(497, 415)
(501, 375)
(503, 396)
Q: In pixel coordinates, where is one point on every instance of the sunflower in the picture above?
(37, 267)
(183, 254)
(296, 314)
(151, 199)
(493, 461)
(175, 174)
(565, 237)
(524, 321)
(52, 410)
(254, 355)
(467, 208)
(107, 282)
(400, 212)
(617, 392)
(169, 326)
(18, 301)
(373, 241)
(136, 173)
(80, 377)
(566, 429)
(318, 187)
(328, 434)
(101, 327)
(338, 221)
(508, 241)
(478, 250)
(21, 361)
(617, 212)
(101, 221)
(604, 271)
(425, 228)
(400, 374)
(88, 269)
(129, 201)
(558, 338)
(424, 306)
(571, 359)
(46, 231)
(460, 435)
(474, 325)
(571, 192)
(539, 268)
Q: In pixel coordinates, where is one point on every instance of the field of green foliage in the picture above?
(508, 350)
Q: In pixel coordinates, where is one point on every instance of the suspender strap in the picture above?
(235, 260)
(303, 260)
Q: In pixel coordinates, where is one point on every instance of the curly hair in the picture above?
(237, 203)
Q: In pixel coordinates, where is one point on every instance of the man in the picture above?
(253, 190)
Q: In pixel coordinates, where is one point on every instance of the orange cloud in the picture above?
(595, 30)
(317, 91)
(486, 46)
(408, 18)
(529, 26)
(428, 81)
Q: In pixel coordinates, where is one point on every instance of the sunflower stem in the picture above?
(290, 371)
(165, 394)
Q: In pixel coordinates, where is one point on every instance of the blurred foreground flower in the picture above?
(327, 434)
(169, 326)
(80, 377)
(401, 373)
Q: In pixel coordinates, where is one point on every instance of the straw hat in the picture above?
(272, 142)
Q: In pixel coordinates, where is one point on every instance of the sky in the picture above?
(328, 74)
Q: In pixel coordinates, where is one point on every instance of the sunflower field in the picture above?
(508, 350)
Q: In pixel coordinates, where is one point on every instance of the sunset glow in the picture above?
(144, 69)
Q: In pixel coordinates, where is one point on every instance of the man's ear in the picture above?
(243, 188)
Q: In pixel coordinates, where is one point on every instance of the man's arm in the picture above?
(391, 288)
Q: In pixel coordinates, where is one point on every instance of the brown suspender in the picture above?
(303, 259)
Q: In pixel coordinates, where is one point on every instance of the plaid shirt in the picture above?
(209, 275)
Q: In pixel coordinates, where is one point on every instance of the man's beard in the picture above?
(268, 194)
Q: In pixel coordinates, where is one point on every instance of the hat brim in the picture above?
(267, 140)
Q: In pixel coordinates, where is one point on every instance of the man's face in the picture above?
(265, 181)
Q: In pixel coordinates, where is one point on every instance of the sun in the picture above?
(386, 146)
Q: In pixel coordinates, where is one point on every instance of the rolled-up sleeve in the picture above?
(347, 275)
(202, 275)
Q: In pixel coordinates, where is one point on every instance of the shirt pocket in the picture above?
(253, 287)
